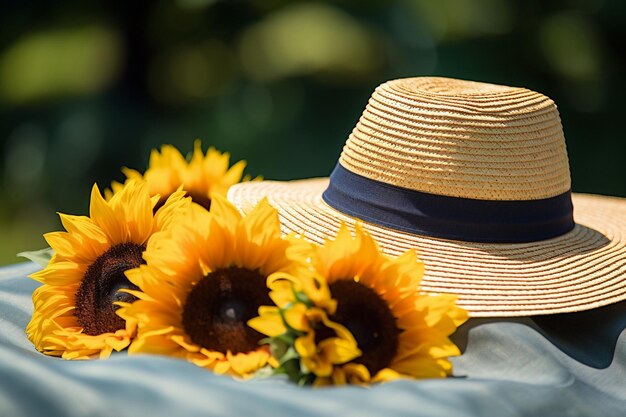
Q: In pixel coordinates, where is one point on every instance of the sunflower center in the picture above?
(160, 203)
(219, 306)
(368, 317)
(200, 198)
(101, 286)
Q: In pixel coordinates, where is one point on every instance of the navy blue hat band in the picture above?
(470, 220)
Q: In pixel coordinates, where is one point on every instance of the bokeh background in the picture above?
(89, 87)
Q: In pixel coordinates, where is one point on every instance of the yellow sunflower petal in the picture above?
(423, 368)
(88, 235)
(116, 229)
(339, 350)
(269, 322)
(103, 215)
(130, 174)
(425, 321)
(246, 364)
(62, 243)
(222, 367)
(60, 273)
(387, 375)
(320, 366)
(281, 291)
(184, 258)
(306, 346)
(296, 317)
(356, 373)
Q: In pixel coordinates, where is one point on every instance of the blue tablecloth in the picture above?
(507, 369)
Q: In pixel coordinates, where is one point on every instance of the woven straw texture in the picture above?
(583, 269)
(462, 139)
(480, 141)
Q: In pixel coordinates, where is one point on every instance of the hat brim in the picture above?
(581, 270)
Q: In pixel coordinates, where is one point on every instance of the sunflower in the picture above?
(297, 322)
(399, 331)
(75, 310)
(204, 279)
(201, 177)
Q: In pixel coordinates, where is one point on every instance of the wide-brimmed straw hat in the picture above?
(475, 177)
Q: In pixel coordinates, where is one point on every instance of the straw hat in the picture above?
(475, 177)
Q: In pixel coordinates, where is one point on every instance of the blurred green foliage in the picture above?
(89, 87)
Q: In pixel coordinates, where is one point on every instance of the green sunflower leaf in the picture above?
(41, 257)
(306, 379)
(288, 355)
(292, 369)
(277, 347)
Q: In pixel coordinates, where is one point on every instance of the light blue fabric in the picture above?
(508, 369)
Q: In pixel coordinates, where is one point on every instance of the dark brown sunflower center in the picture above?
(362, 311)
(197, 198)
(219, 306)
(160, 203)
(100, 287)
(200, 198)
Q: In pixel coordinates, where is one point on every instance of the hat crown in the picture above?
(461, 139)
